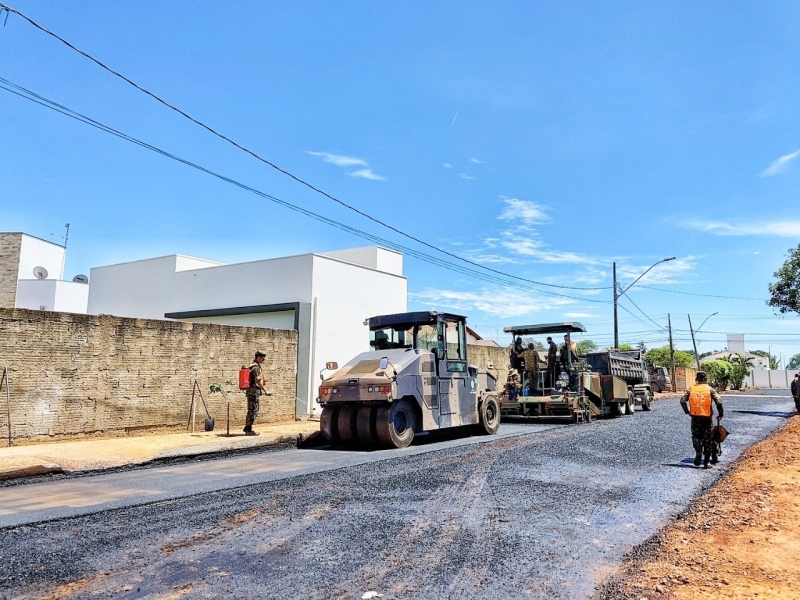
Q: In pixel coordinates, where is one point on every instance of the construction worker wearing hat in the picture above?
(254, 392)
(697, 402)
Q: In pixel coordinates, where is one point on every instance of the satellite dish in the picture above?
(40, 272)
(80, 279)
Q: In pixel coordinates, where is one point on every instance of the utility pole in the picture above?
(694, 344)
(671, 354)
(616, 297)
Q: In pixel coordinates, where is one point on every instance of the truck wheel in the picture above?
(657, 386)
(365, 425)
(489, 415)
(630, 405)
(647, 399)
(346, 424)
(328, 424)
(395, 424)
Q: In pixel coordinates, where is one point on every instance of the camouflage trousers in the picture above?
(252, 411)
(701, 436)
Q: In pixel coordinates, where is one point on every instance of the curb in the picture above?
(30, 471)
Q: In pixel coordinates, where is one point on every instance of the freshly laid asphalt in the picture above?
(540, 513)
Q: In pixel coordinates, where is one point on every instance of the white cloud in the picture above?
(447, 166)
(367, 174)
(533, 248)
(668, 272)
(465, 176)
(525, 211)
(339, 160)
(579, 315)
(779, 164)
(502, 302)
(782, 228)
(476, 161)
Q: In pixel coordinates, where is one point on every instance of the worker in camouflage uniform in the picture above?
(254, 392)
(696, 402)
(531, 359)
(796, 391)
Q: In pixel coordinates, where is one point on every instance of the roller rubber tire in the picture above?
(346, 424)
(365, 425)
(328, 424)
(489, 415)
(395, 424)
(630, 405)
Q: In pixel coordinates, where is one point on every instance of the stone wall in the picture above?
(480, 356)
(10, 245)
(77, 375)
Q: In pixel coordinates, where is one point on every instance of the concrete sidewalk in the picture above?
(97, 454)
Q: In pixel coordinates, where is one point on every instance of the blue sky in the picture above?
(546, 140)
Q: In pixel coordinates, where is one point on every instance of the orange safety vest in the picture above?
(700, 400)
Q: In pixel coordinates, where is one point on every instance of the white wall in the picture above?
(345, 296)
(770, 379)
(39, 253)
(49, 294)
(375, 257)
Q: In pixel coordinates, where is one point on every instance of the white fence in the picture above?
(771, 379)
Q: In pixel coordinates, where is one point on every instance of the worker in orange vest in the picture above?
(696, 401)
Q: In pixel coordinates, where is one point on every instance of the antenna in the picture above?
(80, 279)
(40, 272)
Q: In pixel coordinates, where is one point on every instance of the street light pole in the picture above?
(696, 355)
(618, 293)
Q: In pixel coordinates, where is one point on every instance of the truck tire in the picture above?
(489, 415)
(657, 386)
(647, 399)
(630, 405)
(346, 424)
(365, 425)
(395, 424)
(328, 424)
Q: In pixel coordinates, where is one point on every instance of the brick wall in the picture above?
(684, 378)
(10, 245)
(80, 375)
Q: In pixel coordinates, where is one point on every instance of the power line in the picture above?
(280, 169)
(645, 314)
(42, 101)
(647, 287)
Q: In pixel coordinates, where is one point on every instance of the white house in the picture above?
(736, 346)
(325, 297)
(32, 276)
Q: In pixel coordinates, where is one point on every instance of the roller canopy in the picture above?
(412, 318)
(571, 327)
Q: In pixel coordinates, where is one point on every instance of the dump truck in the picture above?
(629, 366)
(415, 378)
(573, 389)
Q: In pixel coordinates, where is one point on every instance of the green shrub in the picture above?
(719, 373)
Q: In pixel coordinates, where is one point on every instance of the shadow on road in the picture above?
(766, 413)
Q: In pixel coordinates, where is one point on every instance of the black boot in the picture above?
(706, 464)
(697, 458)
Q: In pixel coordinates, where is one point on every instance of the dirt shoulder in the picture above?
(740, 539)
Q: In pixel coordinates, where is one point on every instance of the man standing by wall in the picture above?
(796, 391)
(696, 402)
(254, 392)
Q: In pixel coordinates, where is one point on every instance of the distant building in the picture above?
(32, 276)
(736, 346)
(325, 297)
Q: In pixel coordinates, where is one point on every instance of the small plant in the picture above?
(216, 387)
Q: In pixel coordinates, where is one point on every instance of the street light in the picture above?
(696, 355)
(617, 294)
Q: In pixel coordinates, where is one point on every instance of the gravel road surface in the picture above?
(545, 514)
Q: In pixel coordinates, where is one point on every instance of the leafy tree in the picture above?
(626, 347)
(794, 363)
(719, 373)
(660, 357)
(586, 346)
(785, 292)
